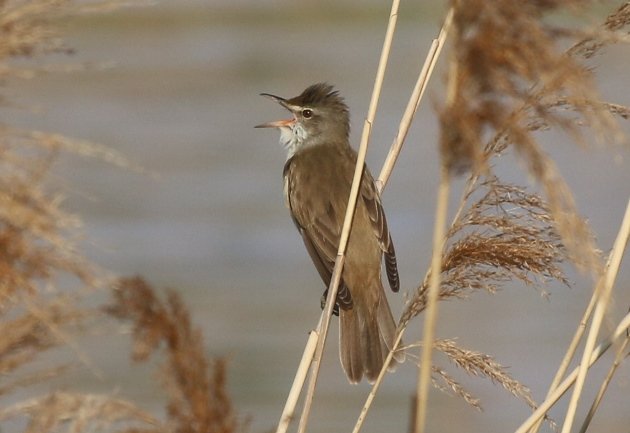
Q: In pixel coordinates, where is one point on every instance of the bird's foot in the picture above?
(323, 303)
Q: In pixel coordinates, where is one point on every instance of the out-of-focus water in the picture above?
(175, 88)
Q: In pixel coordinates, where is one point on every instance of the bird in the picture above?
(318, 175)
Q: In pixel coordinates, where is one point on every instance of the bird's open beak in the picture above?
(278, 123)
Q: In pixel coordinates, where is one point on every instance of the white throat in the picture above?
(292, 138)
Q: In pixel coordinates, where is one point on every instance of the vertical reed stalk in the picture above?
(622, 328)
(603, 291)
(424, 376)
(377, 383)
(298, 383)
(414, 101)
(621, 353)
(352, 200)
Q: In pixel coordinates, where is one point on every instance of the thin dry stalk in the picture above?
(412, 106)
(620, 330)
(298, 382)
(603, 292)
(375, 387)
(568, 356)
(621, 353)
(347, 224)
(377, 383)
(439, 239)
(322, 328)
(414, 101)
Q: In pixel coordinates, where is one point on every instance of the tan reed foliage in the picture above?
(78, 412)
(476, 364)
(501, 233)
(26, 29)
(506, 234)
(43, 273)
(480, 364)
(27, 335)
(199, 402)
(37, 237)
(507, 80)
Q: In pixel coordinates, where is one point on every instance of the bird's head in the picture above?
(320, 116)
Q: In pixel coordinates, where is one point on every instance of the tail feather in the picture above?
(387, 327)
(350, 345)
(371, 349)
(366, 337)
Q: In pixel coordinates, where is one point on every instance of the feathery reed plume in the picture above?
(611, 32)
(480, 364)
(81, 412)
(35, 239)
(38, 239)
(505, 234)
(26, 29)
(501, 233)
(29, 334)
(41, 267)
(451, 384)
(199, 402)
(38, 249)
(506, 80)
(507, 77)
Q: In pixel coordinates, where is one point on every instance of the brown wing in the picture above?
(379, 223)
(320, 238)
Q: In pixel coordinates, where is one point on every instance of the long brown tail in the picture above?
(365, 338)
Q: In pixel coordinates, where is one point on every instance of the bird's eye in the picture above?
(307, 113)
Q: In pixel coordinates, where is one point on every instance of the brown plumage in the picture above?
(317, 178)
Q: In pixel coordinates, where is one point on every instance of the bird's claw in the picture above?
(323, 303)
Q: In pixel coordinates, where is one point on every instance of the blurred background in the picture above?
(174, 87)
